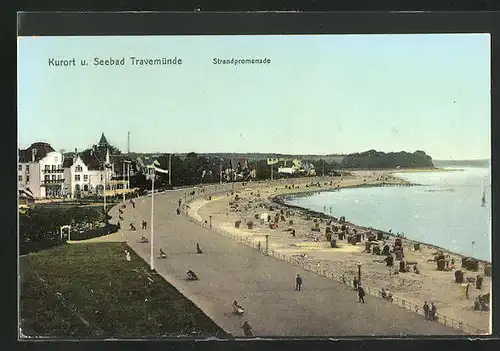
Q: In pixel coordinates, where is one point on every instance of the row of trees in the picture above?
(195, 169)
(374, 159)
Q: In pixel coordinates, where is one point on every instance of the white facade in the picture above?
(28, 177)
(83, 181)
(44, 177)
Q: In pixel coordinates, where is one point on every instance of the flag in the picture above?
(157, 169)
(272, 161)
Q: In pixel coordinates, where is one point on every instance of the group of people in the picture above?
(430, 311)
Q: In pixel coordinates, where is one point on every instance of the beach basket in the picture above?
(459, 277)
(237, 224)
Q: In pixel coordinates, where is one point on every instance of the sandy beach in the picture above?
(259, 201)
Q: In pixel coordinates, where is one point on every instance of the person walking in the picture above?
(432, 314)
(361, 294)
(298, 282)
(426, 310)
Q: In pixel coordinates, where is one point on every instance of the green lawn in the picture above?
(90, 290)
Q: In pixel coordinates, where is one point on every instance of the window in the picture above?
(47, 177)
(101, 178)
(27, 169)
(77, 177)
(27, 179)
(59, 176)
(47, 168)
(20, 178)
(20, 167)
(85, 177)
(53, 177)
(53, 167)
(78, 169)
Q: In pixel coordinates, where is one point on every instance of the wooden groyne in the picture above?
(395, 184)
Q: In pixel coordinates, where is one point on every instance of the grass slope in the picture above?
(90, 290)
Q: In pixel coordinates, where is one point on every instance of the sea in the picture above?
(445, 210)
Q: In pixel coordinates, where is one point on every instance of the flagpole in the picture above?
(128, 174)
(123, 180)
(152, 264)
(220, 171)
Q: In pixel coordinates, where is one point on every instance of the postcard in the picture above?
(223, 186)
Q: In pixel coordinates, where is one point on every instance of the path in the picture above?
(229, 270)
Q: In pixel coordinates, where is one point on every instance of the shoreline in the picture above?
(281, 200)
(311, 249)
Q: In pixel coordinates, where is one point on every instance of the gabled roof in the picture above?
(42, 149)
(93, 159)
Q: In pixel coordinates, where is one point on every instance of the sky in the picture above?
(320, 94)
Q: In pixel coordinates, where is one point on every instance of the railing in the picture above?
(52, 170)
(317, 268)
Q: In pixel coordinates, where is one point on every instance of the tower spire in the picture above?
(103, 141)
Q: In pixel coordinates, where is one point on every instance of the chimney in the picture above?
(33, 153)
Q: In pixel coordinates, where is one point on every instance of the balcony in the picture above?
(52, 181)
(54, 171)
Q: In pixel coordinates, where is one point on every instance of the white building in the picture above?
(88, 172)
(40, 171)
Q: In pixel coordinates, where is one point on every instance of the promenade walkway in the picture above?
(264, 286)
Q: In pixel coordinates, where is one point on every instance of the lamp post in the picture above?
(220, 170)
(169, 169)
(104, 189)
(472, 253)
(267, 243)
(152, 262)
